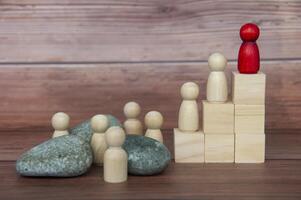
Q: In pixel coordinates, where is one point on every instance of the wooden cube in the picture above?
(218, 118)
(189, 146)
(219, 148)
(249, 119)
(249, 148)
(248, 88)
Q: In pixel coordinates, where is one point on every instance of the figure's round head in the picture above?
(190, 91)
(249, 32)
(115, 136)
(217, 62)
(60, 121)
(131, 109)
(153, 120)
(99, 123)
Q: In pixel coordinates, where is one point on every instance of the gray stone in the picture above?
(64, 156)
(146, 156)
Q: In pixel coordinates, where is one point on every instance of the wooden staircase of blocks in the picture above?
(232, 131)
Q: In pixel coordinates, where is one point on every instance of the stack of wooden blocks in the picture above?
(249, 118)
(218, 127)
(232, 131)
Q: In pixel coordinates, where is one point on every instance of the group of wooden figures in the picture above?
(233, 128)
(107, 141)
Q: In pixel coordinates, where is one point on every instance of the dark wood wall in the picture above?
(88, 57)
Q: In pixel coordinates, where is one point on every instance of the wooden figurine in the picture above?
(60, 122)
(217, 89)
(248, 56)
(99, 125)
(189, 112)
(154, 121)
(132, 125)
(115, 157)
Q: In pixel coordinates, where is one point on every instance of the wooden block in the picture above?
(249, 119)
(248, 88)
(218, 117)
(249, 148)
(219, 148)
(189, 146)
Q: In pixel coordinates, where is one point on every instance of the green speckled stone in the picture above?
(146, 156)
(65, 156)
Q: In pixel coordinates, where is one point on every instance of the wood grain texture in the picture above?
(155, 30)
(248, 89)
(188, 146)
(274, 180)
(219, 148)
(218, 118)
(280, 144)
(249, 119)
(249, 148)
(31, 94)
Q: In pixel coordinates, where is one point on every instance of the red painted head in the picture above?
(249, 32)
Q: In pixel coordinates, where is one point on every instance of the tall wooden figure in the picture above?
(217, 89)
(248, 56)
(189, 113)
(99, 125)
(115, 157)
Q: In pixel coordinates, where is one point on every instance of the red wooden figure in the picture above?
(248, 56)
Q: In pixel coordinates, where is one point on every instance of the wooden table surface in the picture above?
(86, 57)
(274, 180)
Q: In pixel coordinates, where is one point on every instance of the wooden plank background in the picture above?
(88, 57)
(138, 30)
(30, 94)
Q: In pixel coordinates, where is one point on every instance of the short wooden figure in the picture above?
(248, 56)
(189, 112)
(218, 118)
(99, 125)
(248, 89)
(219, 148)
(189, 146)
(132, 124)
(249, 119)
(249, 148)
(217, 88)
(115, 157)
(60, 122)
(154, 121)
